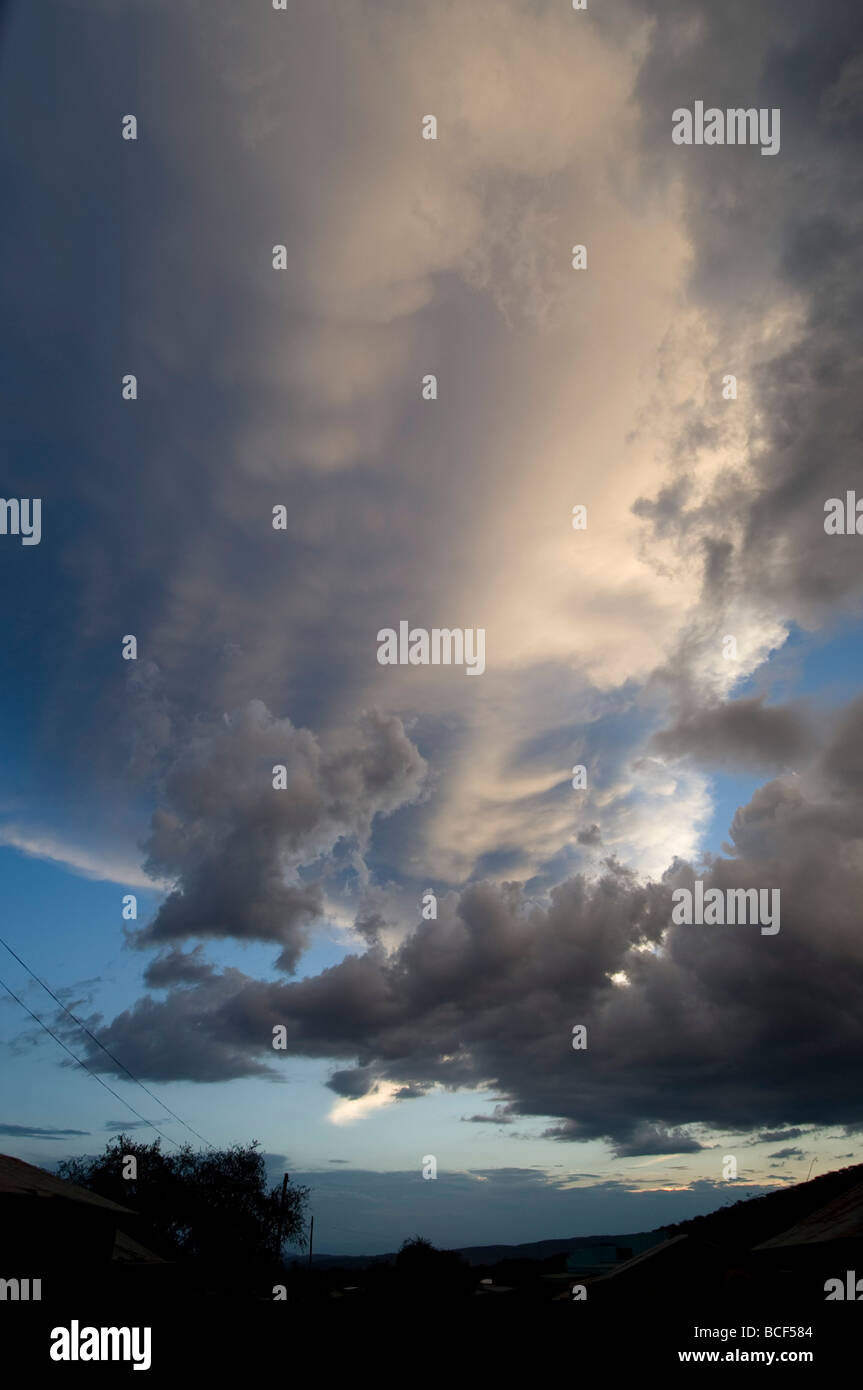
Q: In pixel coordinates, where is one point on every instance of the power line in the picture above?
(106, 1050)
(95, 1077)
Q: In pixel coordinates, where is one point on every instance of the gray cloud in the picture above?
(157, 1034)
(33, 1132)
(178, 967)
(776, 1136)
(364, 1212)
(234, 842)
(656, 1139)
(591, 836)
(641, 1138)
(120, 1126)
(742, 734)
(351, 1083)
(490, 991)
(499, 1116)
(761, 527)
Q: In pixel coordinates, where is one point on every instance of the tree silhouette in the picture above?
(212, 1207)
(422, 1268)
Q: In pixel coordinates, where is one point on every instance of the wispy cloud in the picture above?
(88, 863)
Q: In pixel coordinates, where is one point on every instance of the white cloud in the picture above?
(346, 1111)
(93, 864)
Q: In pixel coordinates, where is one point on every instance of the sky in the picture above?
(286, 485)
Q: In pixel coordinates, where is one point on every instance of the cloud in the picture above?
(742, 734)
(591, 836)
(155, 1040)
(235, 844)
(89, 863)
(776, 1136)
(120, 1126)
(369, 1212)
(349, 1109)
(302, 388)
(779, 312)
(487, 995)
(32, 1132)
(508, 1177)
(657, 1139)
(178, 967)
(351, 1084)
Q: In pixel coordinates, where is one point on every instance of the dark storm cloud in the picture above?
(788, 1153)
(642, 1139)
(488, 994)
(656, 1139)
(235, 844)
(777, 1136)
(741, 734)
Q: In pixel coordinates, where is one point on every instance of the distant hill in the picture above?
(493, 1254)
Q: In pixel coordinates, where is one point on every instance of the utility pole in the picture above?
(311, 1240)
(281, 1217)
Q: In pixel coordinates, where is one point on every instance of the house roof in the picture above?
(841, 1219)
(131, 1252)
(24, 1180)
